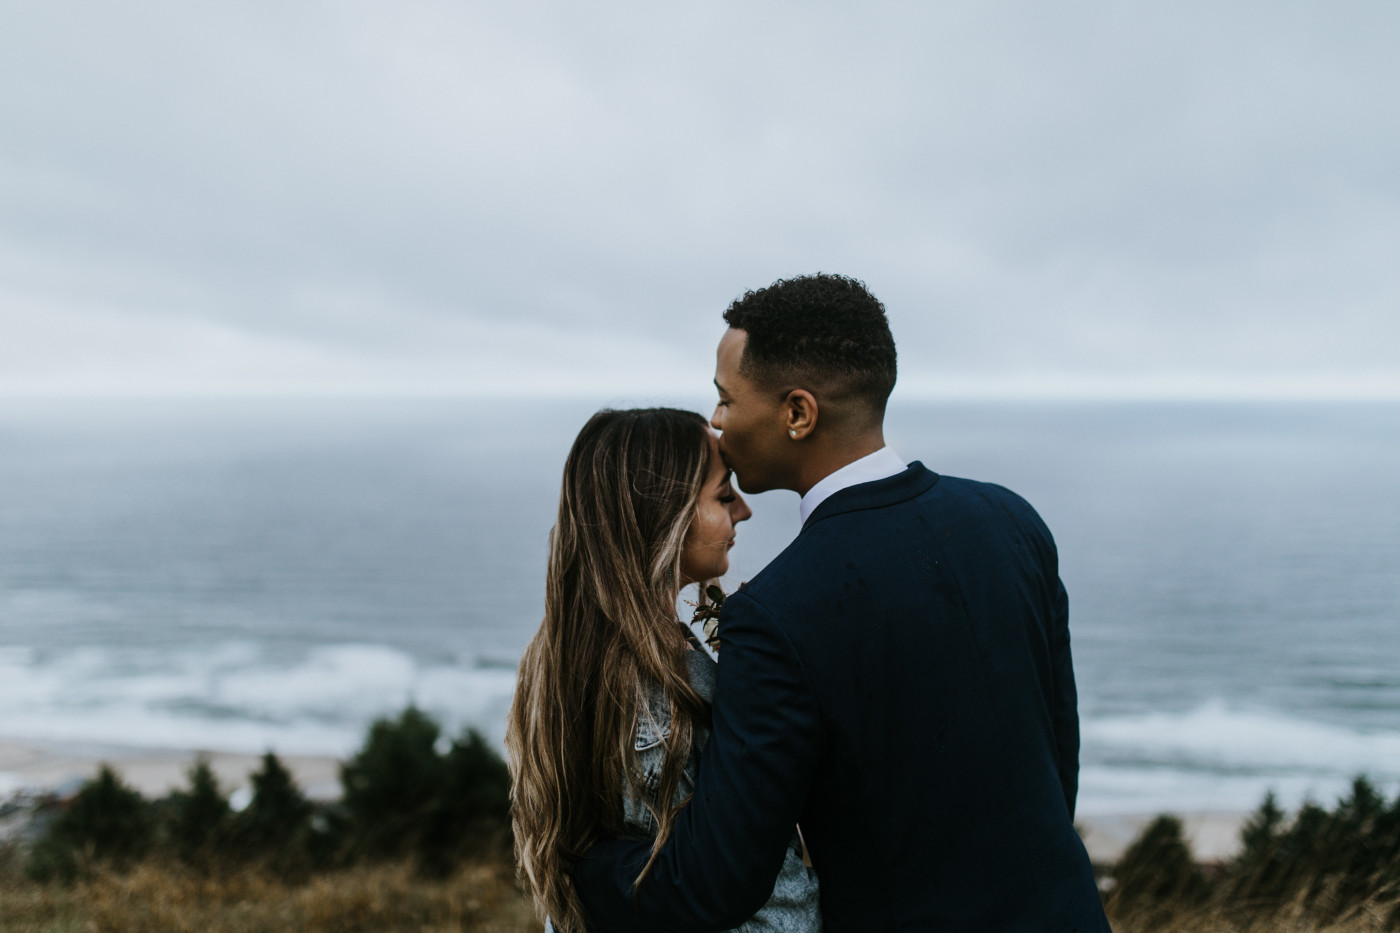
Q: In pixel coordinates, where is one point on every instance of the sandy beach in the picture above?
(156, 772)
(1213, 836)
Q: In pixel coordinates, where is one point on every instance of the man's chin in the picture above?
(751, 485)
(750, 481)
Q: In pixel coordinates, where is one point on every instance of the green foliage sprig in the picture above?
(707, 614)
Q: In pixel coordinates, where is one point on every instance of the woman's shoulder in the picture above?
(703, 671)
(654, 722)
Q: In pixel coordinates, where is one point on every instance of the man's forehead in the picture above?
(730, 350)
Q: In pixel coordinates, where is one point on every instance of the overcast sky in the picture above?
(418, 197)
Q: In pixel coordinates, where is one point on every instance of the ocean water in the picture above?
(250, 575)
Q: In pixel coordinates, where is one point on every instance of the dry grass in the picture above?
(159, 896)
(1217, 916)
(1232, 922)
(163, 898)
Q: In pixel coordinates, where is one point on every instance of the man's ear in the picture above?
(800, 414)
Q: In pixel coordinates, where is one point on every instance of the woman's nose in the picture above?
(740, 509)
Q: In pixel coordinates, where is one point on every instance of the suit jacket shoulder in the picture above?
(916, 505)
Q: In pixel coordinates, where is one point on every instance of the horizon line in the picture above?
(693, 383)
(953, 395)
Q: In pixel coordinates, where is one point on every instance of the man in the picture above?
(897, 681)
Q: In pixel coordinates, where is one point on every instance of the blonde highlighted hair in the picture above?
(631, 486)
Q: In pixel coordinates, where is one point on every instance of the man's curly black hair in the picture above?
(817, 331)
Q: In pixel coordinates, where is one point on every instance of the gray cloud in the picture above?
(428, 196)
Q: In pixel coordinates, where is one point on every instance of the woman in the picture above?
(612, 707)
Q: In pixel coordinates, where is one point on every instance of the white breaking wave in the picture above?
(1218, 757)
(1217, 735)
(233, 698)
(1104, 790)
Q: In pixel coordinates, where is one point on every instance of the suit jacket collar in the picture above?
(914, 481)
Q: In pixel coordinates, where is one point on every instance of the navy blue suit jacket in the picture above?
(897, 681)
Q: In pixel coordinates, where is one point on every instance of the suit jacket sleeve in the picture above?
(728, 845)
(1064, 699)
(1062, 696)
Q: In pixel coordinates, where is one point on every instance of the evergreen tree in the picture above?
(478, 782)
(1157, 868)
(1360, 854)
(472, 809)
(1332, 861)
(200, 815)
(278, 814)
(106, 821)
(1255, 871)
(1302, 851)
(1260, 832)
(393, 782)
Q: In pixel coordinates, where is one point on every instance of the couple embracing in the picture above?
(894, 697)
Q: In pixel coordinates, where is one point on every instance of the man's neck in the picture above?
(822, 463)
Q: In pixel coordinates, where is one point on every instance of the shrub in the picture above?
(199, 817)
(1331, 861)
(1329, 868)
(1157, 868)
(472, 810)
(1257, 871)
(276, 823)
(392, 783)
(403, 797)
(478, 783)
(106, 821)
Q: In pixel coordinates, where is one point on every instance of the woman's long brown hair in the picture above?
(631, 486)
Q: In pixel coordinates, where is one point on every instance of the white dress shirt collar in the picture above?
(882, 464)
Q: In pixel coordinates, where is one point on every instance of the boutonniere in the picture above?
(707, 613)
